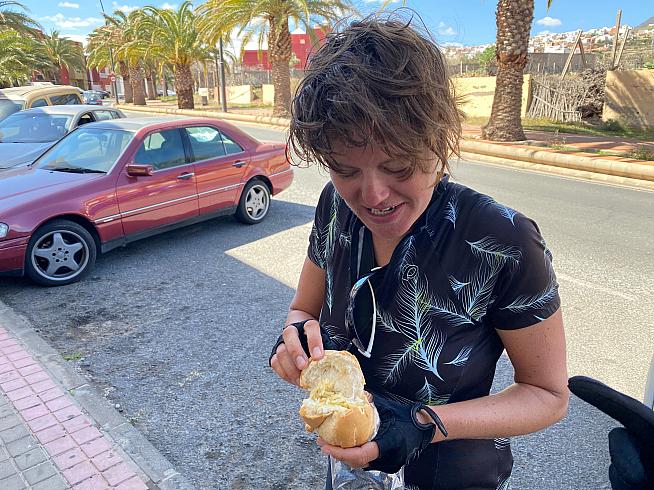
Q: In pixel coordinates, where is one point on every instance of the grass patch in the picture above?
(641, 153)
(73, 357)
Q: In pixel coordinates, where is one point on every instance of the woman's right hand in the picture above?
(290, 358)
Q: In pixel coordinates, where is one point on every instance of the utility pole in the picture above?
(114, 84)
(223, 91)
(615, 39)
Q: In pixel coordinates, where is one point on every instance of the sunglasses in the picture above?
(350, 327)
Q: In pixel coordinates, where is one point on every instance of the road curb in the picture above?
(155, 469)
(630, 171)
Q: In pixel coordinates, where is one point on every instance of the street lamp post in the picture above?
(114, 83)
(222, 75)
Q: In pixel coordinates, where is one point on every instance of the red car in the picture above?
(113, 182)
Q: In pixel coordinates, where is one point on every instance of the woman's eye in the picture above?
(399, 172)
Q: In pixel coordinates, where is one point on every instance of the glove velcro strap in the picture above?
(303, 339)
(437, 420)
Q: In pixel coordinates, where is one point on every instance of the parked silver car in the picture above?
(26, 135)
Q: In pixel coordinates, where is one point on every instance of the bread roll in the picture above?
(337, 408)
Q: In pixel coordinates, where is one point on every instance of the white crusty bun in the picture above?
(338, 408)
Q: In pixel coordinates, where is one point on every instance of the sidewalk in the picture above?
(57, 433)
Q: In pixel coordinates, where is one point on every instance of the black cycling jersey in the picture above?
(467, 267)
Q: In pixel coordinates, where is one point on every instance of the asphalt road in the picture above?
(176, 329)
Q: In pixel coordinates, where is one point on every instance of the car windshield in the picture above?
(8, 107)
(86, 149)
(34, 127)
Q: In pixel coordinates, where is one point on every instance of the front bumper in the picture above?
(12, 256)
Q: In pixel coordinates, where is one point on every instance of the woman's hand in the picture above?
(354, 457)
(290, 356)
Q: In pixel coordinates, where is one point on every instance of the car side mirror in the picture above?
(137, 170)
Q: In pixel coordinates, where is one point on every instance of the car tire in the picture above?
(60, 252)
(254, 204)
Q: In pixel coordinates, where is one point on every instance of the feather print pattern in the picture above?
(456, 285)
(462, 357)
(452, 210)
(429, 395)
(505, 211)
(489, 245)
(504, 482)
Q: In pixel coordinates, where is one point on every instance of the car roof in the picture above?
(17, 92)
(71, 110)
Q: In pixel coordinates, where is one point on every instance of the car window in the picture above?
(103, 115)
(65, 99)
(85, 119)
(30, 127)
(206, 142)
(162, 149)
(230, 145)
(8, 107)
(86, 148)
(39, 103)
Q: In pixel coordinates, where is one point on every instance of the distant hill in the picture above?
(646, 23)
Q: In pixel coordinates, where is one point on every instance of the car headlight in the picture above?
(4, 229)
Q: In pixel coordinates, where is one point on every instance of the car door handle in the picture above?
(186, 176)
(238, 164)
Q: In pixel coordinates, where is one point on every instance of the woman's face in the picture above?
(373, 186)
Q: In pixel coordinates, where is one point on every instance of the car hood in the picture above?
(23, 184)
(18, 154)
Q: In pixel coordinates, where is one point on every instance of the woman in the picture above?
(446, 277)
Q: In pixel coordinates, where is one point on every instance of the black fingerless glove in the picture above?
(327, 342)
(401, 437)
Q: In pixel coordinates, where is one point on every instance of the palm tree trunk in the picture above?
(184, 87)
(280, 52)
(152, 86)
(127, 85)
(136, 79)
(514, 19)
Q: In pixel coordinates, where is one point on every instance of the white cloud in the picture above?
(549, 21)
(445, 30)
(68, 5)
(544, 33)
(169, 6)
(76, 37)
(123, 8)
(71, 22)
(380, 1)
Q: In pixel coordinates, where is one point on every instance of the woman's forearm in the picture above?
(517, 410)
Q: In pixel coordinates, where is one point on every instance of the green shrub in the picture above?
(612, 125)
(641, 152)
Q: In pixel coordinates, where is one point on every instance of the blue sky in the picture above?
(468, 22)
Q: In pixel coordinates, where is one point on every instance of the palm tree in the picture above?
(172, 36)
(18, 57)
(62, 53)
(130, 51)
(270, 18)
(514, 18)
(16, 20)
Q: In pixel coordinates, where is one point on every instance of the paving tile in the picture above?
(10, 349)
(39, 472)
(19, 393)
(36, 377)
(85, 435)
(51, 394)
(30, 458)
(106, 460)
(93, 448)
(51, 433)
(34, 368)
(53, 483)
(7, 469)
(9, 421)
(3, 454)
(59, 403)
(61, 445)
(7, 342)
(41, 423)
(14, 482)
(132, 484)
(9, 375)
(79, 473)
(118, 474)
(12, 385)
(42, 386)
(21, 445)
(27, 402)
(6, 409)
(67, 413)
(79, 422)
(96, 482)
(17, 355)
(21, 363)
(13, 434)
(34, 412)
(70, 458)
(7, 366)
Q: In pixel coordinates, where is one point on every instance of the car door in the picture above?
(167, 196)
(220, 163)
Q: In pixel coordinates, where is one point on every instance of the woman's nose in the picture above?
(374, 191)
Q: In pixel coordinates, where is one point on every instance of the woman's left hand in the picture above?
(354, 457)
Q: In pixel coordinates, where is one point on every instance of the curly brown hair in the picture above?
(379, 80)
